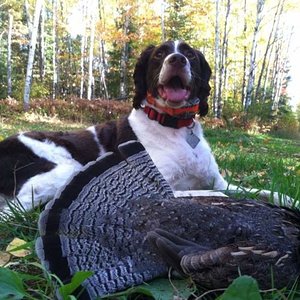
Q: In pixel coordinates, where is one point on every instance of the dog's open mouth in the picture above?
(174, 90)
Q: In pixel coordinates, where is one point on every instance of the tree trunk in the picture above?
(37, 13)
(102, 70)
(282, 59)
(91, 54)
(244, 54)
(103, 64)
(223, 62)
(252, 66)
(217, 62)
(124, 59)
(42, 45)
(10, 27)
(82, 59)
(54, 50)
(274, 28)
(268, 71)
(82, 50)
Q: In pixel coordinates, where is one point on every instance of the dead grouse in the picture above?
(119, 219)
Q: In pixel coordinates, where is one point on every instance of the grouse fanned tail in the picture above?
(82, 230)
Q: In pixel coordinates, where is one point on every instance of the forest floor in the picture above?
(259, 161)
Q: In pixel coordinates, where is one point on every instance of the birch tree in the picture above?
(42, 58)
(32, 46)
(10, 27)
(274, 28)
(103, 63)
(217, 62)
(54, 49)
(124, 59)
(280, 70)
(223, 49)
(83, 43)
(82, 58)
(252, 64)
(244, 54)
(91, 49)
(102, 70)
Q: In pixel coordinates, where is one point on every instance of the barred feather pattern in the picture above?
(94, 236)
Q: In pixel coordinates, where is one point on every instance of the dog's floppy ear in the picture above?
(204, 84)
(139, 76)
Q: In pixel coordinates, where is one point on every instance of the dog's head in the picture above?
(174, 73)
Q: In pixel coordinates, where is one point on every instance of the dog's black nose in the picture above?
(177, 59)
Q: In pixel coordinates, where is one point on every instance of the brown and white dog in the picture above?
(171, 87)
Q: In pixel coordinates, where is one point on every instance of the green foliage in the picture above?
(242, 288)
(298, 112)
(261, 118)
(232, 107)
(38, 90)
(287, 126)
(260, 113)
(257, 161)
(11, 285)
(68, 289)
(161, 288)
(178, 22)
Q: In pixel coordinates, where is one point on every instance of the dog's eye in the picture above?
(159, 54)
(189, 54)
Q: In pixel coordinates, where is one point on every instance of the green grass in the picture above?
(259, 161)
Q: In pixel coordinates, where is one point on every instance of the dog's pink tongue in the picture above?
(173, 94)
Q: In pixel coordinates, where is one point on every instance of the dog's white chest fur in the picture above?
(182, 166)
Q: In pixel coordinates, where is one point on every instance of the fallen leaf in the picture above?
(17, 247)
(4, 258)
(231, 157)
(261, 174)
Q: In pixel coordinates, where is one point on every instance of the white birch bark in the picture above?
(124, 59)
(252, 66)
(91, 51)
(275, 24)
(82, 50)
(42, 58)
(244, 54)
(32, 46)
(10, 27)
(82, 58)
(103, 64)
(217, 62)
(54, 49)
(102, 69)
(283, 54)
(225, 52)
(223, 62)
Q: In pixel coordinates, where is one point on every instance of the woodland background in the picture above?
(87, 49)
